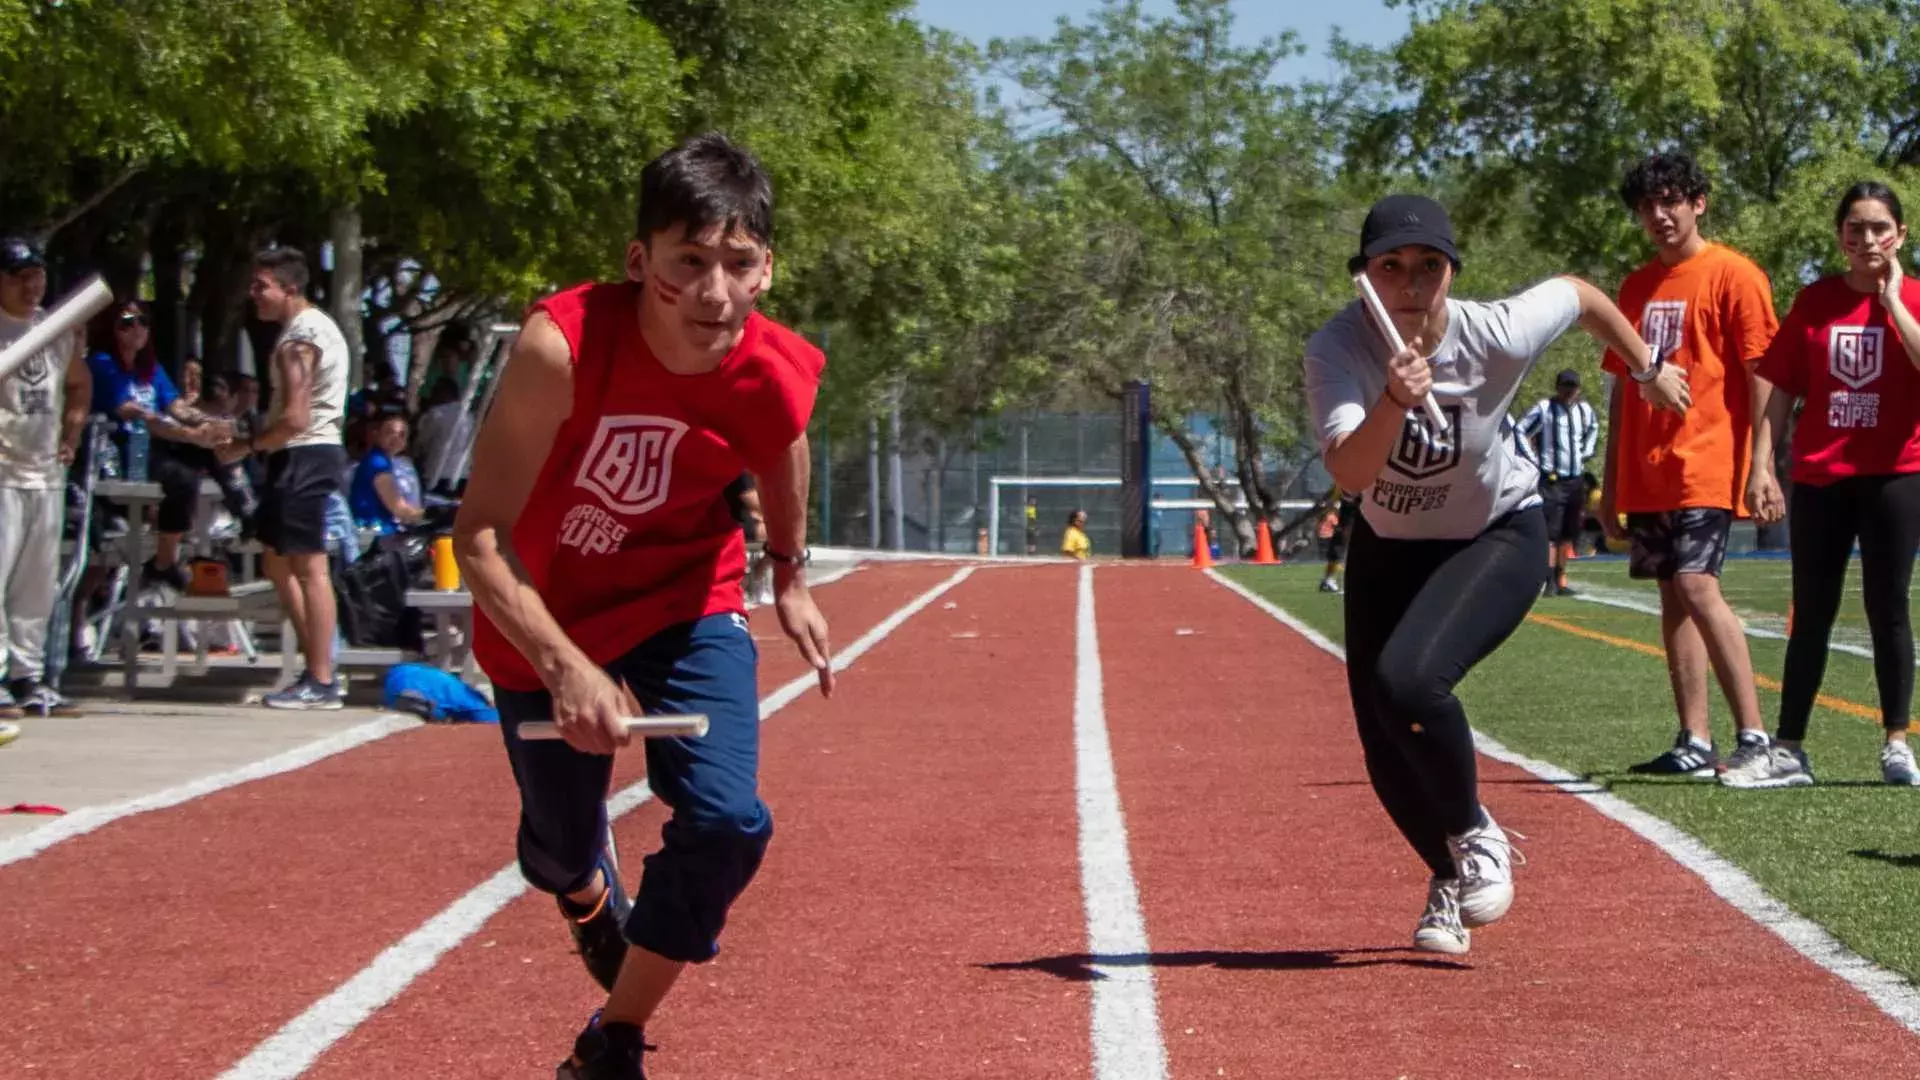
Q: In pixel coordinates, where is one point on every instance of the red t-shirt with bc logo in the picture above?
(627, 531)
(1840, 351)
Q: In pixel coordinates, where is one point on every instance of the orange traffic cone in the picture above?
(1202, 550)
(1263, 547)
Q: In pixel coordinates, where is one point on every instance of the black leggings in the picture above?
(1883, 513)
(177, 468)
(1420, 615)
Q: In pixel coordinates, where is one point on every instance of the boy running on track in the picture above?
(1851, 347)
(606, 568)
(1445, 556)
(1681, 479)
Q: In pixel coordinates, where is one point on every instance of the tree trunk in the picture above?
(1223, 503)
(348, 283)
(420, 352)
(170, 320)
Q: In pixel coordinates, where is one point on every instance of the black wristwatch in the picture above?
(801, 559)
(1652, 372)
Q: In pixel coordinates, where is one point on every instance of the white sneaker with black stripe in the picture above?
(1897, 765)
(1483, 859)
(1440, 929)
(1763, 767)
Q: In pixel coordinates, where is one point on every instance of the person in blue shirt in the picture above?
(385, 493)
(134, 390)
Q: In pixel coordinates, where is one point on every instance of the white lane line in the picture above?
(1627, 601)
(87, 819)
(1126, 1021)
(293, 1049)
(1893, 994)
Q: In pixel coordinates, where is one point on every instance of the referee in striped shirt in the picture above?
(1561, 431)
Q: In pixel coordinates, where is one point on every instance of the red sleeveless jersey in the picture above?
(627, 531)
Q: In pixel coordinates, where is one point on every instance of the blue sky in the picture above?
(1367, 21)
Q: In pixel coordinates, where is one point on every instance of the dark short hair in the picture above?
(1664, 174)
(287, 265)
(1863, 191)
(706, 181)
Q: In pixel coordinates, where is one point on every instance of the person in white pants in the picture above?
(43, 408)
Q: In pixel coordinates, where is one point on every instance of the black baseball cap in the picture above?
(1569, 377)
(1400, 220)
(18, 253)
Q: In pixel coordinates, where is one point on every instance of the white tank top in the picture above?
(326, 416)
(31, 400)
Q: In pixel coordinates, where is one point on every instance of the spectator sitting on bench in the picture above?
(385, 494)
(139, 395)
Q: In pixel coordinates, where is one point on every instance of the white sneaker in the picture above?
(1440, 929)
(8, 732)
(1771, 766)
(1897, 765)
(1483, 858)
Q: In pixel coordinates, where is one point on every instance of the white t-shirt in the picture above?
(31, 401)
(1426, 493)
(326, 418)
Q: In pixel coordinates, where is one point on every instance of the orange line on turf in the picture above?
(1851, 708)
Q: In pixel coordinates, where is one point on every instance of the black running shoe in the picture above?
(598, 934)
(1683, 758)
(605, 1052)
(174, 576)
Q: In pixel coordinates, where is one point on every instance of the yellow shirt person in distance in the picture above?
(1074, 542)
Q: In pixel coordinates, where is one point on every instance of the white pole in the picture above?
(993, 516)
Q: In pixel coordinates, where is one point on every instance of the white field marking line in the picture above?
(87, 819)
(1893, 994)
(1615, 598)
(1126, 1021)
(293, 1049)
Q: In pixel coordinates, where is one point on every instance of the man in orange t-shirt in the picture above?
(1681, 478)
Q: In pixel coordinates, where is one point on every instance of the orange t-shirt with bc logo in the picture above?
(1713, 316)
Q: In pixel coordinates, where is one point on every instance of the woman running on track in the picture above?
(1851, 348)
(1445, 557)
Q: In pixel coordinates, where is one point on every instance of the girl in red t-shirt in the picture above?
(1851, 349)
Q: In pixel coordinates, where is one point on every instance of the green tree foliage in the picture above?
(1191, 231)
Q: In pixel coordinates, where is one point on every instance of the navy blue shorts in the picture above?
(712, 845)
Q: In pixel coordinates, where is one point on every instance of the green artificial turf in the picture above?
(1844, 853)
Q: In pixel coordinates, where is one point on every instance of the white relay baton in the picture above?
(82, 304)
(1379, 312)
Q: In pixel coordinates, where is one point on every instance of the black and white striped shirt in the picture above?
(1561, 436)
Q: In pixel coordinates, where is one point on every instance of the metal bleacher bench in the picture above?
(449, 618)
(247, 602)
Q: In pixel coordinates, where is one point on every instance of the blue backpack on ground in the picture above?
(436, 697)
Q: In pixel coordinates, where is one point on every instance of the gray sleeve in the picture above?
(1335, 399)
(1521, 327)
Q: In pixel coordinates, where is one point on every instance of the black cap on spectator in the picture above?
(18, 253)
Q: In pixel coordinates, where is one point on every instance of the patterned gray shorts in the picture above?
(1690, 541)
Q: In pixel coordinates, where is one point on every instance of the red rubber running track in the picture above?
(920, 913)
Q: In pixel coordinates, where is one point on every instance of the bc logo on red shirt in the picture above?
(629, 464)
(1854, 354)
